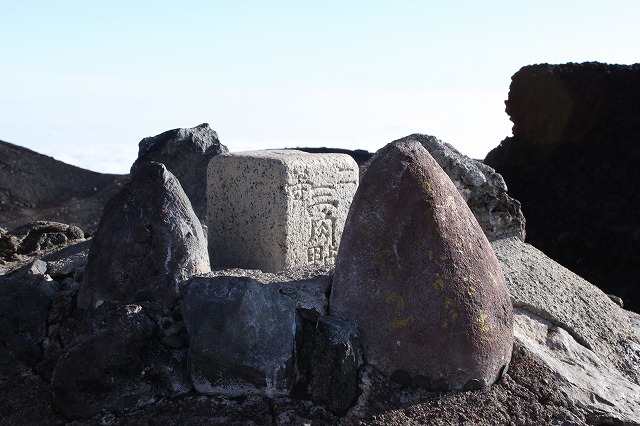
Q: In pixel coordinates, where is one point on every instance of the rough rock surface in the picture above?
(572, 163)
(102, 370)
(411, 245)
(278, 209)
(242, 336)
(335, 359)
(24, 309)
(586, 340)
(148, 244)
(186, 154)
(545, 288)
(527, 395)
(603, 394)
(67, 261)
(36, 237)
(482, 188)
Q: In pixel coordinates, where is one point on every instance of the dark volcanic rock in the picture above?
(38, 236)
(417, 275)
(23, 316)
(572, 163)
(335, 360)
(186, 154)
(103, 369)
(148, 244)
(36, 187)
(359, 155)
(242, 336)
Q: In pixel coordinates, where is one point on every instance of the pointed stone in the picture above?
(186, 154)
(148, 244)
(416, 273)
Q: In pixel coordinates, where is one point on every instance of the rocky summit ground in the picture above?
(575, 361)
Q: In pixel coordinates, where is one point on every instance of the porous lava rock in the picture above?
(572, 163)
(186, 154)
(242, 335)
(483, 189)
(103, 370)
(38, 236)
(148, 244)
(417, 275)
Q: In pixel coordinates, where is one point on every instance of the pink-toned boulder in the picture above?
(416, 273)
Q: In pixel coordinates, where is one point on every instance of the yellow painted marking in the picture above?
(482, 318)
(399, 300)
(398, 321)
(381, 256)
(448, 302)
(438, 284)
(453, 315)
(443, 257)
(426, 187)
(365, 231)
(430, 256)
(445, 324)
(389, 276)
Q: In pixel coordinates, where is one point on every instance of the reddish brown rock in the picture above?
(416, 273)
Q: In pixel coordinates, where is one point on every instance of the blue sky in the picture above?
(84, 81)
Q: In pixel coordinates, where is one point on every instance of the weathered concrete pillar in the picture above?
(272, 210)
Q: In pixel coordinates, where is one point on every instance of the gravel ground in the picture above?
(526, 395)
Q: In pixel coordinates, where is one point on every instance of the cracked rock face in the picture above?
(599, 391)
(547, 289)
(148, 244)
(416, 273)
(242, 336)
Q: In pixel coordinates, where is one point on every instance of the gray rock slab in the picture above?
(242, 335)
(308, 287)
(544, 287)
(603, 394)
(148, 244)
(67, 261)
(417, 275)
(272, 210)
(186, 154)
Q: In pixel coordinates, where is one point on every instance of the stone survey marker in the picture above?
(272, 210)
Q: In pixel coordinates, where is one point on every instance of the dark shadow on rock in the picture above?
(573, 164)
